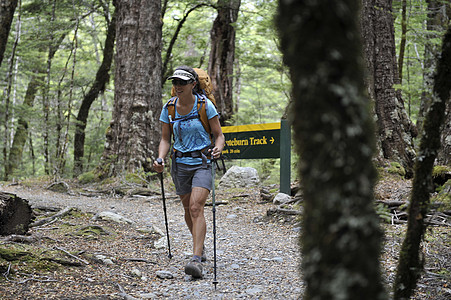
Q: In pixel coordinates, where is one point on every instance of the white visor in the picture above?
(183, 75)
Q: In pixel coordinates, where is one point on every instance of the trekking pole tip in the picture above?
(215, 283)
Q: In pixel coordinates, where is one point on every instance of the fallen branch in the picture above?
(33, 278)
(59, 214)
(392, 203)
(63, 262)
(19, 238)
(137, 259)
(71, 255)
(284, 211)
(288, 211)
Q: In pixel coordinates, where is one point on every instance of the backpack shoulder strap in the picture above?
(202, 112)
(171, 111)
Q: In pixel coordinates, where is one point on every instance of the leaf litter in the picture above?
(257, 249)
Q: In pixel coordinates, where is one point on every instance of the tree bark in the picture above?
(334, 133)
(410, 261)
(222, 56)
(444, 154)
(7, 95)
(101, 80)
(402, 44)
(15, 214)
(394, 128)
(7, 9)
(134, 131)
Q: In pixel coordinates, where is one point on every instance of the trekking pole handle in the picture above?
(159, 161)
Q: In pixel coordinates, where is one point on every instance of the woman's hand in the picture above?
(158, 165)
(216, 152)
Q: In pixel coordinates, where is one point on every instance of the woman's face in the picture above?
(183, 87)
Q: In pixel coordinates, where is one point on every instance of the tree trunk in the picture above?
(444, 154)
(46, 97)
(21, 132)
(7, 9)
(7, 100)
(134, 131)
(101, 80)
(410, 262)
(64, 110)
(334, 132)
(222, 56)
(15, 214)
(394, 128)
(402, 44)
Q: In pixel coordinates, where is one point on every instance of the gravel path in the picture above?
(256, 259)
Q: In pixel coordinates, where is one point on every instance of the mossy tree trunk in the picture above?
(394, 128)
(134, 131)
(101, 80)
(222, 56)
(410, 263)
(334, 133)
(21, 132)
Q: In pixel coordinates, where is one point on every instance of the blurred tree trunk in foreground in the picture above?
(410, 263)
(333, 125)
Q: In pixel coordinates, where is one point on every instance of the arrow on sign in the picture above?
(272, 140)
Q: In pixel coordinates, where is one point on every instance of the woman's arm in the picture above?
(163, 148)
(218, 135)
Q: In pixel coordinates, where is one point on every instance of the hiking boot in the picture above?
(194, 268)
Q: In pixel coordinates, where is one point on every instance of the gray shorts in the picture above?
(185, 177)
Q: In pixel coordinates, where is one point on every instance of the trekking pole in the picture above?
(213, 202)
(160, 162)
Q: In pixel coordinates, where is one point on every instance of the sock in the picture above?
(196, 258)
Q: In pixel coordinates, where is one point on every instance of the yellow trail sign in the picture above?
(252, 141)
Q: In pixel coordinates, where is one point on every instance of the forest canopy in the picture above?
(55, 48)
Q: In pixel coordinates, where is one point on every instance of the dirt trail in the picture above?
(256, 258)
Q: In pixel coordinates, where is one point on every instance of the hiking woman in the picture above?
(191, 154)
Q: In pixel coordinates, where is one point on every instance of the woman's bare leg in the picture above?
(194, 203)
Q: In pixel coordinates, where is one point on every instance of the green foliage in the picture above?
(417, 37)
(396, 168)
(383, 212)
(88, 177)
(77, 31)
(443, 197)
(264, 83)
(27, 259)
(137, 178)
(439, 171)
